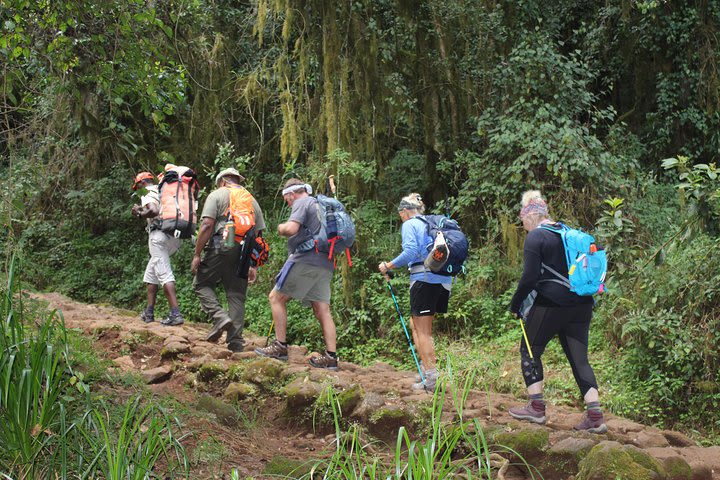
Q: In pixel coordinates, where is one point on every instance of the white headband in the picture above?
(295, 188)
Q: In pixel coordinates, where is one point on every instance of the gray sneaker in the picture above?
(172, 320)
(593, 422)
(217, 330)
(147, 317)
(533, 412)
(274, 350)
(428, 385)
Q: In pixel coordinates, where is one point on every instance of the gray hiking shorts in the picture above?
(307, 283)
(158, 270)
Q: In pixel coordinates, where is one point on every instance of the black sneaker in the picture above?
(217, 330)
(324, 361)
(274, 350)
(173, 320)
(147, 317)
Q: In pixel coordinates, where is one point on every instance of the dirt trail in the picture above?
(166, 356)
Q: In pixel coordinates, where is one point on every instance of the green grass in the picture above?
(431, 457)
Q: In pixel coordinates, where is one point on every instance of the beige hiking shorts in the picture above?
(158, 270)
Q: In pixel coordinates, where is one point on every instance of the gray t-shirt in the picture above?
(305, 212)
(217, 204)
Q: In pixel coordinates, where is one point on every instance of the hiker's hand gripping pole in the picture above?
(402, 321)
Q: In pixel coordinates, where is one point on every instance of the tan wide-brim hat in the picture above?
(226, 172)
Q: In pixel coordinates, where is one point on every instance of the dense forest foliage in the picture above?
(611, 108)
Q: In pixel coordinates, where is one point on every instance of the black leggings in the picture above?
(571, 325)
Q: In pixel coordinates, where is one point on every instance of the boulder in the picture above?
(157, 375)
(173, 349)
(649, 438)
(349, 398)
(564, 456)
(300, 394)
(677, 469)
(385, 422)
(125, 363)
(610, 460)
(263, 371)
(239, 391)
(370, 403)
(211, 371)
(677, 439)
(225, 413)
(529, 443)
(175, 339)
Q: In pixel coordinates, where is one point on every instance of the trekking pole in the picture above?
(527, 344)
(267, 339)
(412, 349)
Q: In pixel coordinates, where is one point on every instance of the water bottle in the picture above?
(229, 233)
(331, 223)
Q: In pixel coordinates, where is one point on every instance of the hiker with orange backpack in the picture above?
(161, 246)
(429, 291)
(308, 271)
(231, 218)
(550, 303)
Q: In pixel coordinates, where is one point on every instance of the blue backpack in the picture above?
(456, 240)
(337, 230)
(587, 265)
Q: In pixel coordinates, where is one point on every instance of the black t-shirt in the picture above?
(544, 247)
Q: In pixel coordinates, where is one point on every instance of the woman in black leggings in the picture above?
(550, 308)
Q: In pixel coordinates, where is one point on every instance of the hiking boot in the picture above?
(324, 361)
(237, 345)
(593, 422)
(428, 385)
(533, 412)
(147, 317)
(217, 330)
(172, 320)
(274, 350)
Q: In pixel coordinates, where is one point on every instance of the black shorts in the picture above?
(428, 299)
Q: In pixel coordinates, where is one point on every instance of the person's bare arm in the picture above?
(289, 228)
(151, 210)
(207, 227)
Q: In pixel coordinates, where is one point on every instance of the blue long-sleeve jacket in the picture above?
(415, 243)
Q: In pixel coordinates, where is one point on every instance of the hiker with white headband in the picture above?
(548, 308)
(306, 276)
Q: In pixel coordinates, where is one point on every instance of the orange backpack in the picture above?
(178, 201)
(240, 213)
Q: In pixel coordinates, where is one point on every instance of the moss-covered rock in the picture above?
(239, 391)
(677, 469)
(641, 457)
(211, 371)
(369, 404)
(225, 413)
(612, 461)
(528, 443)
(564, 457)
(349, 398)
(385, 422)
(283, 467)
(300, 394)
(263, 371)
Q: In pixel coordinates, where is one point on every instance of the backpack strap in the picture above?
(561, 279)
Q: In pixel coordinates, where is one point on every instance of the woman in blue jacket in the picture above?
(429, 292)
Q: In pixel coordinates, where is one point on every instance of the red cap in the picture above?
(141, 177)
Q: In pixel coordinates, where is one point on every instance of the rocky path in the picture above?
(178, 361)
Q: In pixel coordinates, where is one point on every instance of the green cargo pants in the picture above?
(219, 266)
